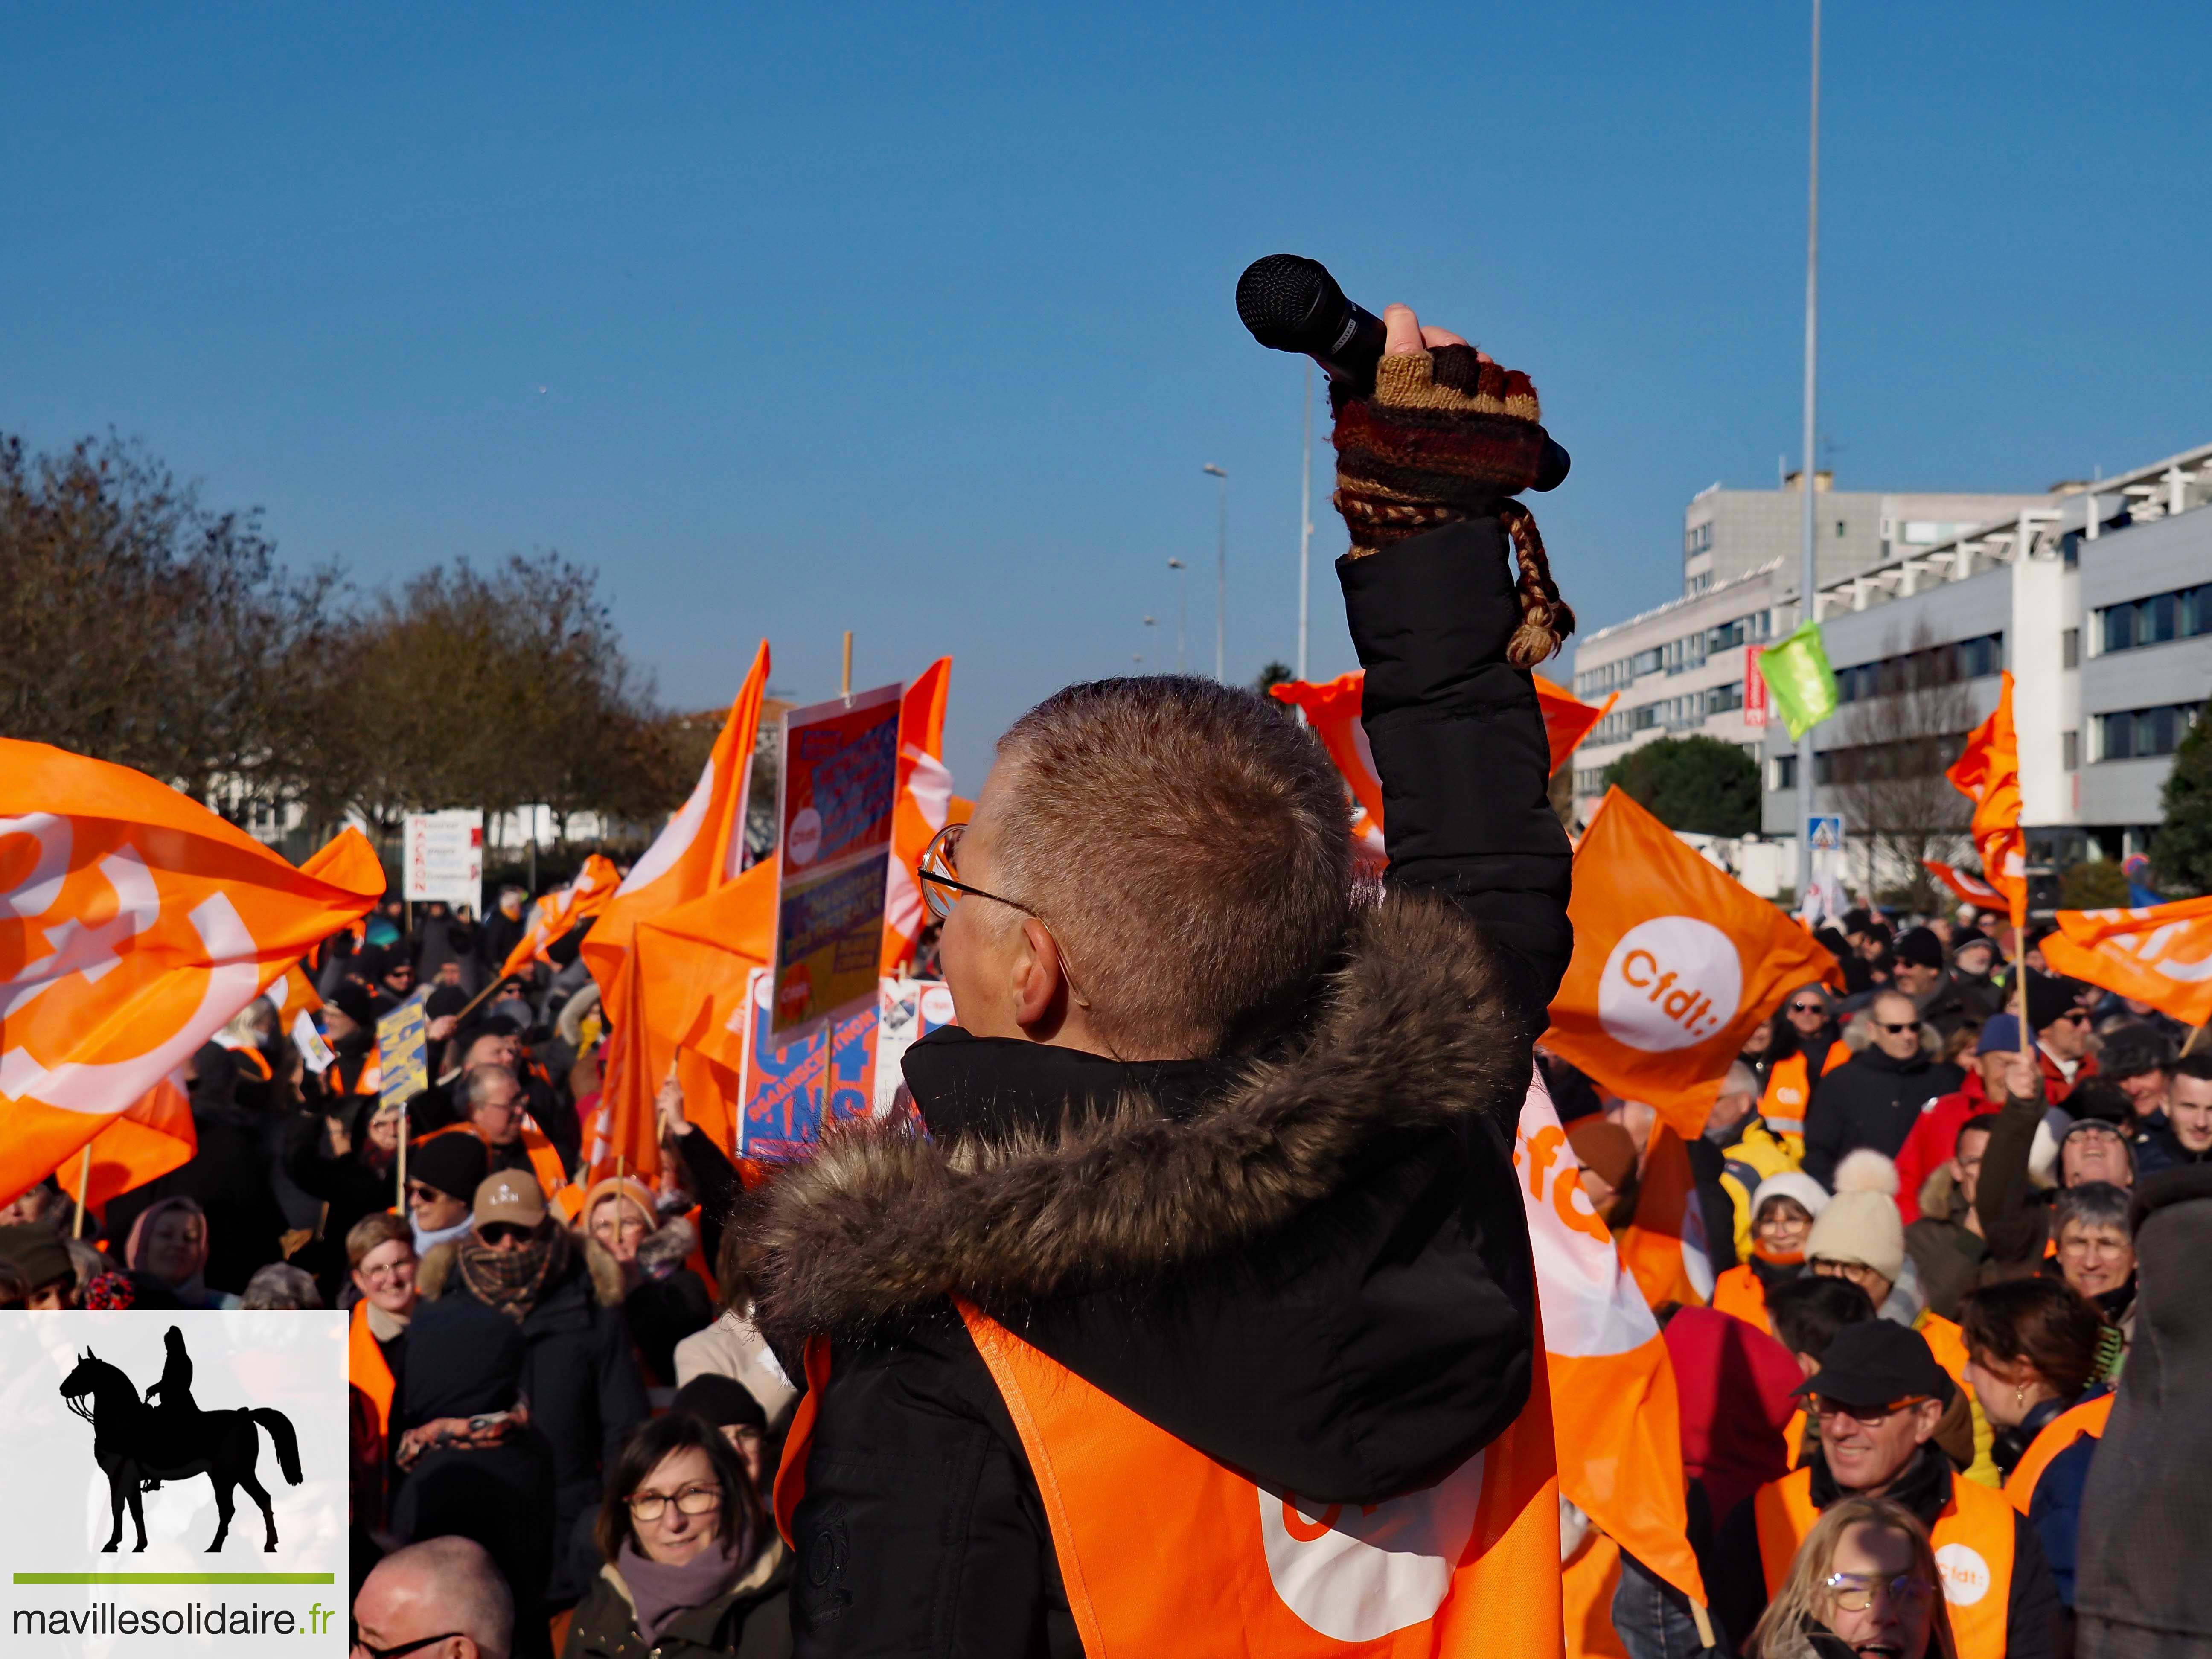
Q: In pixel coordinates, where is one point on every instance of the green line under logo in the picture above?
(176, 1578)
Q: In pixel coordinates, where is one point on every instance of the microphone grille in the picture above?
(1280, 298)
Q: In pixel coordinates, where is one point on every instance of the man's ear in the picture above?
(1037, 977)
(1928, 1416)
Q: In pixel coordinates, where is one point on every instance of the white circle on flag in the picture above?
(1964, 1573)
(1358, 1573)
(805, 835)
(1670, 983)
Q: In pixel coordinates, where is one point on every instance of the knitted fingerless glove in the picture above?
(1443, 438)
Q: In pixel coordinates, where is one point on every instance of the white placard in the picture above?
(282, 1374)
(442, 858)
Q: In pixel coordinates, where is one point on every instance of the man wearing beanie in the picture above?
(1873, 1101)
(1878, 1397)
(1917, 969)
(443, 1174)
(1934, 1136)
(2063, 1038)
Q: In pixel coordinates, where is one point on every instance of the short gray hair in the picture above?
(2092, 1204)
(1741, 1079)
(280, 1286)
(1189, 845)
(474, 1081)
(457, 1578)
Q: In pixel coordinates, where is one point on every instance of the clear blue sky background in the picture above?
(918, 321)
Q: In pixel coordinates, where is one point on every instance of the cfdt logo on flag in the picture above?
(176, 1475)
(1669, 983)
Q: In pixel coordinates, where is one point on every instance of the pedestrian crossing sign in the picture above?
(1826, 831)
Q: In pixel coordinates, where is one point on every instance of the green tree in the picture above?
(2182, 854)
(2093, 884)
(1275, 673)
(1695, 783)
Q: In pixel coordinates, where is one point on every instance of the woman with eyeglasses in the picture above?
(691, 1564)
(1863, 1581)
(1807, 1044)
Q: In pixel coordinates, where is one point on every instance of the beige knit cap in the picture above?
(1861, 1223)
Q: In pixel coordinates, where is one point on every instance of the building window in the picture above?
(1839, 530)
(2069, 751)
(1723, 698)
(2183, 614)
(1786, 772)
(1966, 659)
(2070, 648)
(2140, 734)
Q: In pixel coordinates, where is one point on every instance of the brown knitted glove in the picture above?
(1443, 438)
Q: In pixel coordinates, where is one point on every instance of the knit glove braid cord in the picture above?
(1443, 438)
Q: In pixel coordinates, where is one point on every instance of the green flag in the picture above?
(1799, 680)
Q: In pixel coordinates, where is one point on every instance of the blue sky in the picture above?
(919, 321)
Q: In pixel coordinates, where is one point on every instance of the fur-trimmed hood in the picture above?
(438, 1274)
(1416, 1030)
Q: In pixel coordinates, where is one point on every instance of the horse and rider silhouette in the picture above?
(139, 1445)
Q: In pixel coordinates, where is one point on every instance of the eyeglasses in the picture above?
(2079, 1017)
(692, 1500)
(1855, 1592)
(1807, 1008)
(504, 1232)
(1897, 1028)
(937, 872)
(1824, 1407)
(414, 1646)
(419, 1193)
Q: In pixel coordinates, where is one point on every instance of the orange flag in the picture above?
(133, 923)
(701, 847)
(1664, 1244)
(1675, 963)
(1331, 708)
(923, 808)
(1613, 1405)
(686, 991)
(557, 912)
(2161, 954)
(1987, 774)
(1971, 888)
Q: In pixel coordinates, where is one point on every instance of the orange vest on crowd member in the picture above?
(1789, 1091)
(2088, 1419)
(545, 1163)
(1220, 1567)
(1973, 1539)
(366, 1370)
(1738, 1291)
(370, 1080)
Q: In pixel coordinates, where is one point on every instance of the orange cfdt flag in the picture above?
(923, 807)
(1331, 708)
(557, 912)
(1663, 1245)
(701, 847)
(1613, 1405)
(2161, 954)
(1987, 774)
(133, 923)
(1675, 963)
(1971, 888)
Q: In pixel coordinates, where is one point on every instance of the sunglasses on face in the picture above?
(1869, 1415)
(504, 1232)
(419, 1193)
(1807, 1008)
(1896, 1028)
(404, 1647)
(2077, 1018)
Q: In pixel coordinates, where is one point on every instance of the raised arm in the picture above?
(1449, 634)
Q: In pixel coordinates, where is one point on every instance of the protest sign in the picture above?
(403, 1049)
(839, 784)
(442, 858)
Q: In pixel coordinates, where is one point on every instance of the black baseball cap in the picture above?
(1876, 1363)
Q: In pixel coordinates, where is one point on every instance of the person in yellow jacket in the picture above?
(1878, 1395)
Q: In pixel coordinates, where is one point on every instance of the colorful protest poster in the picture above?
(839, 786)
(826, 1071)
(403, 1049)
(907, 1010)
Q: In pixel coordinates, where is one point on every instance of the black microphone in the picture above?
(1291, 303)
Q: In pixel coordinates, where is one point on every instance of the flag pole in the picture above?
(83, 1186)
(400, 1202)
(845, 686)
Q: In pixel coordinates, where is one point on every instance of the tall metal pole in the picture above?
(1809, 577)
(1182, 605)
(1221, 579)
(1305, 514)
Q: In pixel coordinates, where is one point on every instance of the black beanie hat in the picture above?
(455, 1164)
(2049, 1000)
(720, 1402)
(1919, 947)
(351, 999)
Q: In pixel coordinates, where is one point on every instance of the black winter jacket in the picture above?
(585, 1394)
(752, 1619)
(1870, 1102)
(1312, 1266)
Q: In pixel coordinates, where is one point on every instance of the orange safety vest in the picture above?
(1738, 1291)
(545, 1163)
(1787, 1092)
(366, 1368)
(1973, 1539)
(2089, 1418)
(370, 1079)
(1221, 1567)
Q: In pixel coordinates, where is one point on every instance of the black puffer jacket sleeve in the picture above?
(1458, 740)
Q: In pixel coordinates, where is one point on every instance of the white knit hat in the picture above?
(1861, 1223)
(1794, 1184)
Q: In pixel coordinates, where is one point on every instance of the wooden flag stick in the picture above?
(845, 686)
(83, 1186)
(2187, 1047)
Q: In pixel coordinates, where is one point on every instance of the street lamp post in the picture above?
(1221, 578)
(1808, 574)
(1305, 516)
(1182, 605)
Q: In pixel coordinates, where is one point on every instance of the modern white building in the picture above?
(1728, 533)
